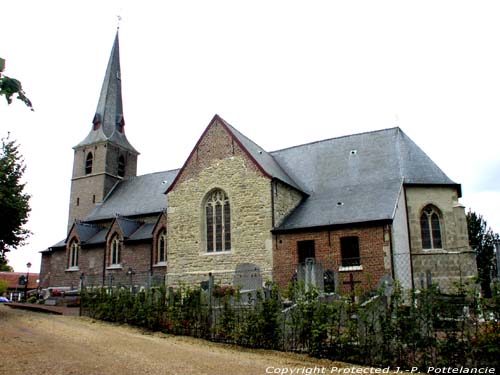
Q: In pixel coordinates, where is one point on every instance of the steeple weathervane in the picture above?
(118, 20)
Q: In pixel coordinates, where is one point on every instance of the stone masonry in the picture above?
(218, 162)
(455, 262)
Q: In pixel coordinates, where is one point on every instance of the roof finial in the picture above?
(396, 119)
(118, 18)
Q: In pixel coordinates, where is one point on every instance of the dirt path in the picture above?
(37, 343)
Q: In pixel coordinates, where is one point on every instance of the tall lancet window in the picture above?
(88, 163)
(218, 222)
(430, 228)
(114, 251)
(73, 254)
(161, 255)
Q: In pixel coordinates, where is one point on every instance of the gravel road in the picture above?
(38, 343)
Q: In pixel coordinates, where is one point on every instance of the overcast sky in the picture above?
(281, 72)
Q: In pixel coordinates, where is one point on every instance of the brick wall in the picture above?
(373, 246)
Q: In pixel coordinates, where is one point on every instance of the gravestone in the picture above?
(248, 279)
(311, 274)
(386, 285)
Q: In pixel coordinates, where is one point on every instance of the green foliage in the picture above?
(4, 267)
(4, 285)
(10, 87)
(408, 329)
(482, 240)
(14, 203)
(31, 299)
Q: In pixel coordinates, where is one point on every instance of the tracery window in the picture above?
(161, 255)
(114, 254)
(88, 163)
(430, 228)
(218, 222)
(74, 249)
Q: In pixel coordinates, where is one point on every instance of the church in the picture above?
(358, 209)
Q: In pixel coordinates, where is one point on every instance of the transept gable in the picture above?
(219, 141)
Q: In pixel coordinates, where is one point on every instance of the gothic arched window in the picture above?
(161, 247)
(88, 163)
(430, 228)
(218, 221)
(115, 249)
(74, 249)
(121, 166)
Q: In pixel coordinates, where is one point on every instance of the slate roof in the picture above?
(135, 196)
(346, 180)
(86, 231)
(263, 158)
(144, 232)
(356, 178)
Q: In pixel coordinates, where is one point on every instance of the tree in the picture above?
(11, 86)
(14, 203)
(482, 240)
(4, 267)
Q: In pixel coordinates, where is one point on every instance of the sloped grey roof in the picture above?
(57, 246)
(265, 159)
(98, 238)
(136, 196)
(355, 178)
(86, 231)
(127, 226)
(144, 232)
(351, 179)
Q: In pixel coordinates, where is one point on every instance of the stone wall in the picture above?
(454, 262)
(218, 163)
(286, 199)
(374, 247)
(89, 189)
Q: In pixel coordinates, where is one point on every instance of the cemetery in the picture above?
(389, 326)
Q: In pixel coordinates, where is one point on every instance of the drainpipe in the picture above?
(409, 238)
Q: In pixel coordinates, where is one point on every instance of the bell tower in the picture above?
(105, 156)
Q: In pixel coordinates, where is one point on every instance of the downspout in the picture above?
(104, 264)
(151, 255)
(274, 236)
(391, 248)
(409, 238)
(272, 203)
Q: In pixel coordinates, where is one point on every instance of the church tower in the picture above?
(105, 156)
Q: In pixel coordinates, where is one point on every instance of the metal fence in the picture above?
(130, 279)
(399, 328)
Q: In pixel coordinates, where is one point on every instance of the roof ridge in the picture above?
(125, 218)
(152, 173)
(334, 138)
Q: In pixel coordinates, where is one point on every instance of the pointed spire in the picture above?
(109, 112)
(108, 121)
